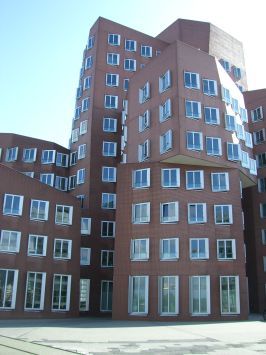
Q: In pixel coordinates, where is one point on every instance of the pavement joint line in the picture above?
(35, 343)
(12, 347)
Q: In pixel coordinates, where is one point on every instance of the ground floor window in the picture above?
(200, 295)
(61, 292)
(35, 289)
(168, 292)
(84, 294)
(229, 294)
(138, 294)
(106, 296)
(8, 288)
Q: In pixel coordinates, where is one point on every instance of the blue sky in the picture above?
(42, 42)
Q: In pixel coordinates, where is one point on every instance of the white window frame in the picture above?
(130, 45)
(139, 249)
(166, 141)
(214, 152)
(106, 300)
(209, 113)
(61, 243)
(144, 151)
(29, 155)
(130, 64)
(144, 121)
(11, 211)
(141, 178)
(165, 289)
(84, 294)
(193, 109)
(114, 39)
(85, 226)
(191, 80)
(195, 174)
(107, 229)
(109, 124)
(68, 291)
(174, 181)
(209, 87)
(10, 241)
(85, 256)
(109, 257)
(113, 59)
(38, 217)
(219, 188)
(198, 219)
(11, 154)
(144, 93)
(165, 81)
(108, 201)
(199, 311)
(225, 243)
(6, 303)
(108, 174)
(174, 207)
(34, 250)
(62, 219)
(236, 296)
(33, 292)
(146, 51)
(194, 147)
(50, 159)
(257, 114)
(231, 151)
(141, 219)
(111, 102)
(140, 310)
(165, 110)
(112, 79)
(168, 255)
(47, 179)
(230, 211)
(83, 128)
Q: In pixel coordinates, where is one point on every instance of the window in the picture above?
(111, 79)
(230, 123)
(81, 173)
(244, 159)
(35, 289)
(259, 136)
(197, 213)
(109, 149)
(191, 80)
(109, 124)
(210, 87)
(263, 210)
(106, 296)
(88, 62)
(141, 213)
(113, 39)
(212, 115)
(39, 210)
(243, 114)
(226, 249)
(169, 249)
(111, 101)
(262, 184)
(144, 121)
(37, 245)
(138, 294)
(8, 288)
(195, 180)
(85, 105)
(235, 105)
(107, 229)
(10, 241)
(130, 64)
(48, 156)
(146, 51)
(141, 178)
(263, 236)
(29, 155)
(166, 142)
(13, 205)
(130, 45)
(82, 150)
(62, 248)
(261, 160)
(226, 96)
(47, 179)
(107, 258)
(165, 111)
(264, 263)
(225, 64)
(108, 201)
(144, 151)
(72, 182)
(248, 140)
(139, 249)
(213, 146)
(28, 173)
(200, 295)
(108, 174)
(61, 292)
(229, 295)
(168, 295)
(237, 72)
(84, 294)
(77, 113)
(144, 93)
(199, 248)
(194, 140)
(126, 84)
(85, 256)
(113, 58)
(87, 83)
(233, 151)
(223, 214)
(11, 154)
(165, 81)
(85, 226)
(73, 158)
(79, 92)
(170, 178)
(83, 127)
(193, 109)
(90, 42)
(257, 114)
(169, 212)
(62, 160)
(63, 214)
(220, 182)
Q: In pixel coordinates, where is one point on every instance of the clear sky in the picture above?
(42, 42)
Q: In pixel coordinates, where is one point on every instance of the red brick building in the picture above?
(159, 154)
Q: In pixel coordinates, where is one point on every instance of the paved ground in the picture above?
(101, 336)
